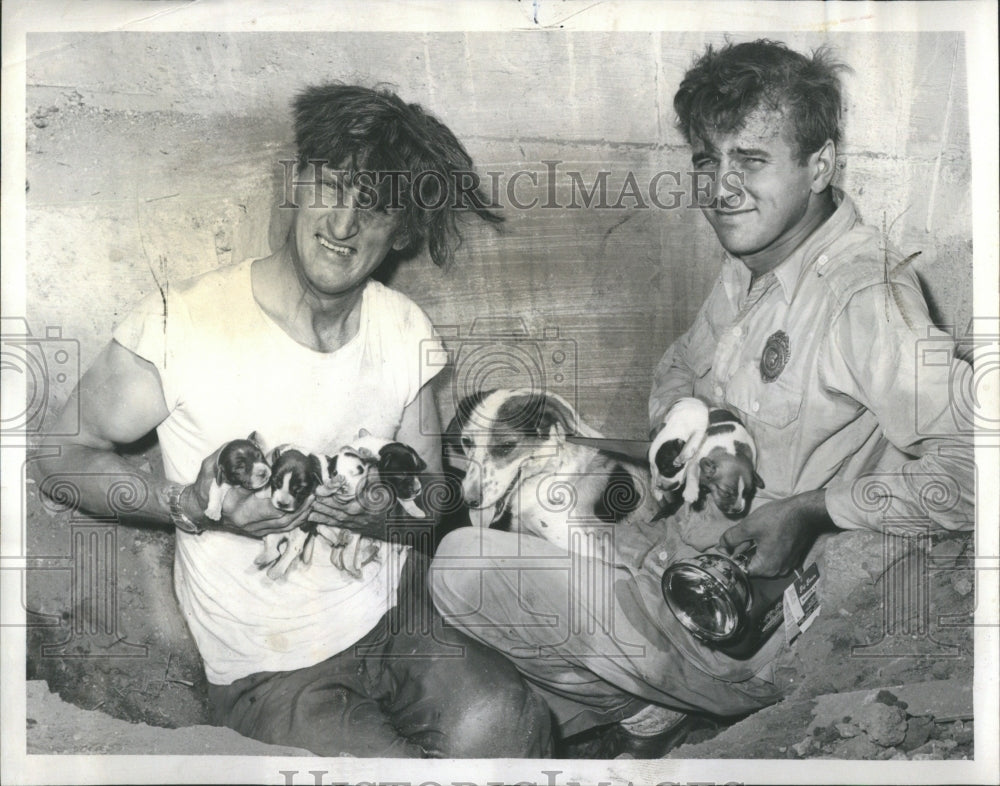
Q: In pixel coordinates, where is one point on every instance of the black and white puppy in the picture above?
(345, 474)
(517, 461)
(240, 463)
(675, 445)
(398, 467)
(294, 476)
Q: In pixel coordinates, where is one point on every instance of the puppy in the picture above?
(726, 464)
(240, 463)
(398, 466)
(675, 445)
(701, 447)
(294, 476)
(518, 462)
(344, 474)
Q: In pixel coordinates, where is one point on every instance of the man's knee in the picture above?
(455, 582)
(512, 722)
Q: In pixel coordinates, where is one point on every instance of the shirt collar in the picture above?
(736, 275)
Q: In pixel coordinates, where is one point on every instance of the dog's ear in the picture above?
(364, 433)
(560, 413)
(758, 481)
(708, 467)
(275, 454)
(316, 469)
(255, 438)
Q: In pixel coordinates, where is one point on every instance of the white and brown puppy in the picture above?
(516, 460)
(726, 464)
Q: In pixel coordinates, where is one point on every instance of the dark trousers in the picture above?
(413, 687)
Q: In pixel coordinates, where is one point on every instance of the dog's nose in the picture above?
(472, 498)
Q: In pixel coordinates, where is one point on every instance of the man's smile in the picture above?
(336, 248)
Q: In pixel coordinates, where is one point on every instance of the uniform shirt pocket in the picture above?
(774, 404)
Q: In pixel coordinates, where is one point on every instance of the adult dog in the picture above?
(510, 451)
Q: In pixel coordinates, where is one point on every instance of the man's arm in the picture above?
(120, 399)
(875, 358)
(673, 378)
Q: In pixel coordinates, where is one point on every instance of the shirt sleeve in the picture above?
(150, 331)
(884, 352)
(424, 354)
(686, 360)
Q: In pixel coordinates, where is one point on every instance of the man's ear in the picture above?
(402, 240)
(823, 164)
(707, 466)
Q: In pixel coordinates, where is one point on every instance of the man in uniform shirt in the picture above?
(804, 340)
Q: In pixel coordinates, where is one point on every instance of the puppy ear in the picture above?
(275, 454)
(364, 433)
(707, 466)
(758, 481)
(316, 469)
(256, 438)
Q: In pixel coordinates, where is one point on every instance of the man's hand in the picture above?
(244, 512)
(364, 512)
(783, 531)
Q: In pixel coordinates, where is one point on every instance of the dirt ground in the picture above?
(105, 633)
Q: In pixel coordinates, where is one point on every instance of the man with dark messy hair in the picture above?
(421, 167)
(804, 340)
(305, 347)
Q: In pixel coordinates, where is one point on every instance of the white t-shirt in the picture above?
(227, 369)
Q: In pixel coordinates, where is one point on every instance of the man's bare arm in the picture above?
(120, 399)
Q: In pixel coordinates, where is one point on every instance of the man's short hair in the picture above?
(724, 86)
(356, 129)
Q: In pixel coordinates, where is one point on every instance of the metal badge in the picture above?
(776, 353)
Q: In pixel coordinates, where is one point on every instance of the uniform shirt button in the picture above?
(823, 259)
(737, 332)
(718, 391)
(663, 556)
(755, 406)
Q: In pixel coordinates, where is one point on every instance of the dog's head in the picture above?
(241, 463)
(347, 469)
(730, 479)
(400, 466)
(294, 476)
(506, 436)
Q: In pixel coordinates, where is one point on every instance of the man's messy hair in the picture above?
(355, 129)
(724, 86)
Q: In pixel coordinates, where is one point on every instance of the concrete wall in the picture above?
(162, 159)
